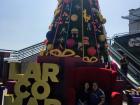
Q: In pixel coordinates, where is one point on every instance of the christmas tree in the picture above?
(77, 30)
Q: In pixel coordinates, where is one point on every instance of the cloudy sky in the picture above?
(25, 22)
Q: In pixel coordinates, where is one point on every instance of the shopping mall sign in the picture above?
(33, 87)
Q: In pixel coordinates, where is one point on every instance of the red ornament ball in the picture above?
(67, 1)
(91, 51)
(70, 43)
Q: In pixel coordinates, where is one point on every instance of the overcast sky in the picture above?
(25, 22)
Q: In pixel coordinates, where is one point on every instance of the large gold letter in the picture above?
(14, 69)
(32, 101)
(44, 89)
(18, 91)
(9, 100)
(52, 102)
(50, 71)
(33, 71)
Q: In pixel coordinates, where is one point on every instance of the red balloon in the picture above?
(70, 43)
(91, 51)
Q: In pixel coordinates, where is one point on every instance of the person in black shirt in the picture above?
(96, 96)
(124, 64)
(83, 94)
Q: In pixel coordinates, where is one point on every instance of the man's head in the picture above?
(94, 86)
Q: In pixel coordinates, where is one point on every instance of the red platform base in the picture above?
(74, 72)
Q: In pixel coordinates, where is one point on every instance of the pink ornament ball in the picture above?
(70, 43)
(91, 51)
(67, 1)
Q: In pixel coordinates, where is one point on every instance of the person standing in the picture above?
(96, 96)
(124, 65)
(83, 95)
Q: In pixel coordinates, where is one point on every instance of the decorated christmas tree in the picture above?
(77, 30)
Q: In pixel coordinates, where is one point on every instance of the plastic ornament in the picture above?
(74, 30)
(70, 43)
(78, 7)
(86, 40)
(90, 2)
(74, 17)
(102, 38)
(86, 16)
(50, 47)
(59, 1)
(79, 45)
(67, 1)
(91, 51)
(104, 21)
(57, 12)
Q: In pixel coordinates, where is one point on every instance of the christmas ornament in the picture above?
(100, 16)
(68, 53)
(90, 2)
(63, 31)
(70, 43)
(42, 52)
(89, 27)
(65, 14)
(66, 17)
(67, 1)
(59, 1)
(94, 10)
(50, 47)
(56, 12)
(102, 38)
(90, 60)
(86, 59)
(79, 45)
(74, 17)
(74, 32)
(86, 16)
(78, 7)
(93, 59)
(86, 40)
(67, 7)
(56, 52)
(91, 51)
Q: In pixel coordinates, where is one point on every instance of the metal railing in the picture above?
(133, 71)
(126, 33)
(17, 56)
(137, 61)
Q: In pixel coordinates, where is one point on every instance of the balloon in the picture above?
(70, 43)
(67, 1)
(91, 51)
